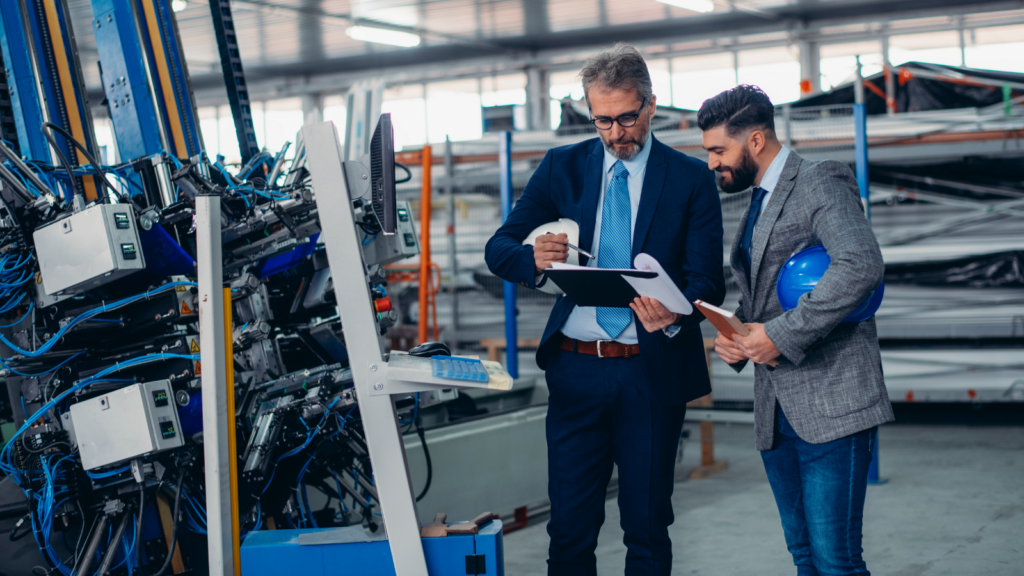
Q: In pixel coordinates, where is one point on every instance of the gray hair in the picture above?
(619, 68)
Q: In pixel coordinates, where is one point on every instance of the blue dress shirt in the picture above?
(582, 322)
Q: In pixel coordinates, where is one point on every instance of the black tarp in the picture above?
(920, 94)
(1002, 269)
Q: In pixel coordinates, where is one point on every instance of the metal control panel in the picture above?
(88, 249)
(124, 424)
(403, 244)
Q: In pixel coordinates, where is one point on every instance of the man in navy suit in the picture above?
(618, 387)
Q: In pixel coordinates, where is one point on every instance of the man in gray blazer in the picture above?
(816, 413)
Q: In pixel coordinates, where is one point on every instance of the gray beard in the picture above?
(633, 152)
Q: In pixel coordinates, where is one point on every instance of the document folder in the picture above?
(596, 286)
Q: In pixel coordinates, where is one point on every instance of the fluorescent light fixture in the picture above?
(178, 5)
(695, 5)
(382, 36)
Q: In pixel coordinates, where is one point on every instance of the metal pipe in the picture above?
(108, 556)
(425, 200)
(858, 84)
(787, 118)
(24, 169)
(229, 395)
(94, 544)
(453, 263)
(168, 193)
(209, 266)
(511, 329)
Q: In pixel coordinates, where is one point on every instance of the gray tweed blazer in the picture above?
(829, 379)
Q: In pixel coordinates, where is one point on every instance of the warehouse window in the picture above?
(227, 140)
(453, 110)
(408, 114)
(509, 89)
(562, 85)
(996, 48)
(335, 111)
(839, 62)
(661, 81)
(775, 70)
(697, 78)
(933, 47)
(282, 120)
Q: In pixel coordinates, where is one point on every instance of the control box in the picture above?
(124, 424)
(385, 249)
(88, 249)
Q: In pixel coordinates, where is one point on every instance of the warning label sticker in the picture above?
(194, 348)
(199, 368)
(185, 310)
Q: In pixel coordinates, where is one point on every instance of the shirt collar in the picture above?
(774, 171)
(635, 165)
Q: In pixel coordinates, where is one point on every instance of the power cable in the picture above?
(96, 165)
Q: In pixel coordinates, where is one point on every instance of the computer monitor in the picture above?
(382, 174)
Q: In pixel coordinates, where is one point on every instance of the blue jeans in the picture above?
(602, 411)
(819, 489)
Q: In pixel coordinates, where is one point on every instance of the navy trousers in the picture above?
(820, 489)
(602, 411)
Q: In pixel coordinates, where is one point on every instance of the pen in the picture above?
(577, 248)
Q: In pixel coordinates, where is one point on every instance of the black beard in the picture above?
(742, 175)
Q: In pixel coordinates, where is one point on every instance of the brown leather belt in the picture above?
(601, 348)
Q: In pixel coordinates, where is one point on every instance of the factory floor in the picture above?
(953, 505)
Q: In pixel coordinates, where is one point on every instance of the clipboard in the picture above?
(597, 286)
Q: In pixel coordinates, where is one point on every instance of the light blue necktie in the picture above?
(615, 243)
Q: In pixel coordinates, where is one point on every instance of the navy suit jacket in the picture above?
(679, 223)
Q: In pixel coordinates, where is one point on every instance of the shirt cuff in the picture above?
(671, 331)
(539, 280)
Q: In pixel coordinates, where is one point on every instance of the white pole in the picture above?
(210, 270)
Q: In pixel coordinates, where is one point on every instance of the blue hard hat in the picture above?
(801, 274)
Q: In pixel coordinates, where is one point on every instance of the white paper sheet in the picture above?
(662, 288)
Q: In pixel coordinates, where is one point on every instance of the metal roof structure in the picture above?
(304, 42)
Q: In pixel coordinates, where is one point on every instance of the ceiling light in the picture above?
(382, 36)
(695, 5)
(178, 5)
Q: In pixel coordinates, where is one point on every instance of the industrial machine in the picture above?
(188, 349)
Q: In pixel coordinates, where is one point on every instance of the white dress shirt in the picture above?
(582, 321)
(771, 176)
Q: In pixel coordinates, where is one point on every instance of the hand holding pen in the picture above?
(550, 248)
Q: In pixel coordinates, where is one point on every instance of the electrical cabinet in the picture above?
(124, 424)
(88, 249)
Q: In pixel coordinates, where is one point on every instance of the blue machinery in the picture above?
(164, 172)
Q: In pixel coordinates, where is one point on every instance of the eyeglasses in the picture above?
(626, 120)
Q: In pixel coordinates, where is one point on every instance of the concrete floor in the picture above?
(953, 505)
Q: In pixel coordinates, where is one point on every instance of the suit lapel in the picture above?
(654, 183)
(591, 195)
(770, 215)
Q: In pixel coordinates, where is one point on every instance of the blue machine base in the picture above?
(276, 552)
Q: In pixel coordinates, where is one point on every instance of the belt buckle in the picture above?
(599, 355)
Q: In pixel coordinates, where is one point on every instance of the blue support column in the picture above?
(860, 144)
(511, 329)
(133, 111)
(26, 102)
(860, 147)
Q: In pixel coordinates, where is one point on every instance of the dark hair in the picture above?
(738, 109)
(619, 68)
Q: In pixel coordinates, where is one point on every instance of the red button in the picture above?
(382, 304)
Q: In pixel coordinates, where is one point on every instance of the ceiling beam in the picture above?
(798, 19)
